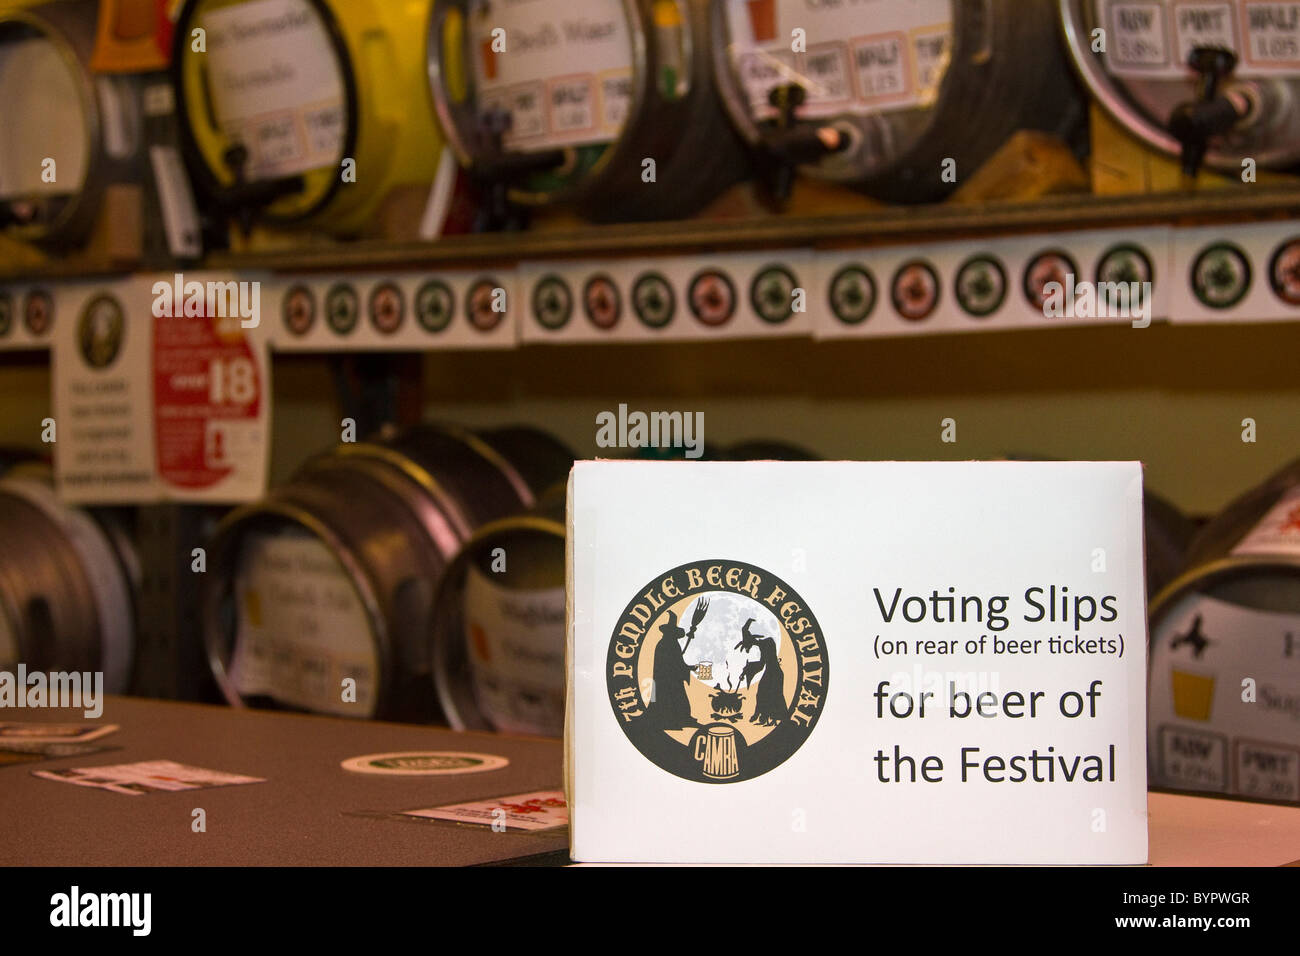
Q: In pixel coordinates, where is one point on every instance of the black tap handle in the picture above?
(244, 198)
(1212, 113)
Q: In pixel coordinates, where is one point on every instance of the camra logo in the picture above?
(717, 671)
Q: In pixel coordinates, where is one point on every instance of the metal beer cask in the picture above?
(53, 108)
(333, 575)
(1231, 617)
(885, 92)
(67, 584)
(498, 637)
(350, 82)
(1143, 79)
(650, 95)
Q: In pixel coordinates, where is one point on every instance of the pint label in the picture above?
(867, 57)
(301, 628)
(1225, 700)
(277, 85)
(563, 73)
(1153, 38)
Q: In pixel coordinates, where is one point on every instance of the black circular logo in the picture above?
(434, 305)
(552, 302)
(100, 331)
(38, 312)
(717, 671)
(1125, 263)
(1221, 275)
(772, 292)
(6, 313)
(387, 308)
(653, 300)
(1052, 266)
(602, 302)
(712, 297)
(1284, 272)
(853, 295)
(299, 310)
(915, 290)
(980, 286)
(485, 304)
(342, 308)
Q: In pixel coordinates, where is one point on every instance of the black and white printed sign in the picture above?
(845, 662)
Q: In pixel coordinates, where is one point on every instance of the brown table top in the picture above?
(301, 816)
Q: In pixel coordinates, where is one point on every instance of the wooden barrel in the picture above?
(881, 94)
(286, 92)
(332, 577)
(607, 106)
(67, 135)
(67, 584)
(1224, 711)
(1136, 67)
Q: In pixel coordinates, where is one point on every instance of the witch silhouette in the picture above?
(769, 698)
(669, 707)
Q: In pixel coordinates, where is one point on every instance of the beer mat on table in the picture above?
(14, 752)
(535, 812)
(148, 776)
(53, 733)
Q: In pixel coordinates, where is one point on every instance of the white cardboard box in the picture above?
(771, 733)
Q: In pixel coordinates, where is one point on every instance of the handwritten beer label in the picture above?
(986, 623)
(866, 57)
(44, 123)
(301, 628)
(1225, 700)
(563, 74)
(277, 85)
(516, 654)
(1154, 38)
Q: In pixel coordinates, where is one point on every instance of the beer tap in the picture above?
(1213, 112)
(243, 198)
(790, 143)
(499, 169)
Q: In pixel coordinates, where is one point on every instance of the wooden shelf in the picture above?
(886, 225)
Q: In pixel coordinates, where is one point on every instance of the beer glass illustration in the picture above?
(715, 749)
(705, 670)
(1193, 695)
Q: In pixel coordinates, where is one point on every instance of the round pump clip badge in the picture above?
(424, 763)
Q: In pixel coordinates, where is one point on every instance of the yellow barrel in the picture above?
(274, 98)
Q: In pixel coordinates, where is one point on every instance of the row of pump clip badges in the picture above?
(887, 291)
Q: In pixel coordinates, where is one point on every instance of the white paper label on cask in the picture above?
(563, 72)
(1225, 700)
(277, 85)
(515, 640)
(866, 57)
(301, 628)
(44, 120)
(1154, 39)
(1278, 532)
